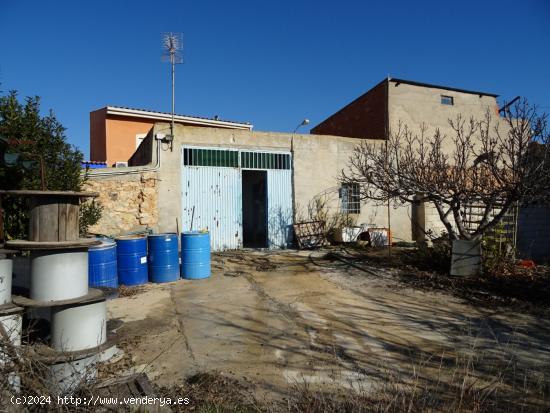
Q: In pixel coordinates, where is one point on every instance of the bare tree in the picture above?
(491, 163)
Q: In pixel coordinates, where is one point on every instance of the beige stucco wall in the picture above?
(152, 199)
(129, 202)
(318, 161)
(414, 105)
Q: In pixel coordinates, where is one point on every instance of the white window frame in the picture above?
(139, 138)
(350, 201)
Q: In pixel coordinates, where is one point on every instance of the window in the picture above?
(261, 160)
(210, 157)
(139, 138)
(350, 198)
(447, 100)
(234, 158)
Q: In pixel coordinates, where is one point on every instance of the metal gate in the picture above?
(212, 194)
(279, 208)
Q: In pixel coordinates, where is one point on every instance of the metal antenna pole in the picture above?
(172, 44)
(173, 64)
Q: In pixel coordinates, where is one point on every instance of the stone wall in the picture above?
(129, 202)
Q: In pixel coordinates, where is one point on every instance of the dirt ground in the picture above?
(278, 318)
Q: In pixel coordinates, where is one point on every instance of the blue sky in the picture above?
(268, 63)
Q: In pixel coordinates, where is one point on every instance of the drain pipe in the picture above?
(159, 137)
(303, 123)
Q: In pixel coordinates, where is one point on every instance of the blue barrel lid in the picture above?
(195, 232)
(105, 243)
(163, 234)
(130, 237)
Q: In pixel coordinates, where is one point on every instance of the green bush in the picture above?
(90, 214)
(26, 138)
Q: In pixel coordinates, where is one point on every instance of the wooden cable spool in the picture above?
(54, 215)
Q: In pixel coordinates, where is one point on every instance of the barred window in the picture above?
(350, 198)
(210, 157)
(262, 160)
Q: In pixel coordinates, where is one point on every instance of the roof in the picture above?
(430, 85)
(166, 116)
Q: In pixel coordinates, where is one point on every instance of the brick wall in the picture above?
(365, 117)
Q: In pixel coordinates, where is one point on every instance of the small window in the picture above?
(139, 138)
(350, 198)
(447, 100)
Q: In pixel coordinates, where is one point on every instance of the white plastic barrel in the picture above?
(78, 326)
(6, 270)
(59, 274)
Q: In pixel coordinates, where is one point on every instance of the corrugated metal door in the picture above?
(279, 204)
(212, 194)
(215, 193)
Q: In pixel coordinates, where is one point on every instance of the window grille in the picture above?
(262, 160)
(350, 198)
(210, 157)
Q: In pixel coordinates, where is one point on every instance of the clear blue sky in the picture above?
(268, 63)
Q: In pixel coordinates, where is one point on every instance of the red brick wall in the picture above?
(365, 117)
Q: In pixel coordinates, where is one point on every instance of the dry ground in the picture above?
(277, 318)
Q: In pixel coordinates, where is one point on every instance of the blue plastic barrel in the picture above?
(102, 264)
(132, 259)
(195, 255)
(163, 257)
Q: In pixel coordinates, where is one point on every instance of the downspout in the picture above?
(292, 176)
(387, 129)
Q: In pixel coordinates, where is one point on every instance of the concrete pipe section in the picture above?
(59, 274)
(6, 269)
(67, 376)
(78, 327)
(11, 321)
(12, 325)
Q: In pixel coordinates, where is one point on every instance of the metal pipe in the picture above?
(154, 168)
(173, 64)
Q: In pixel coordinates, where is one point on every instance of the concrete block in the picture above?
(466, 258)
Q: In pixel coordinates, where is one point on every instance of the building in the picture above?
(378, 111)
(116, 132)
(381, 110)
(247, 187)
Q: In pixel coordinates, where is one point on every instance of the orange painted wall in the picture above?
(121, 134)
(113, 137)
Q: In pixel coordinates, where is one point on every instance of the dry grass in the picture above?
(474, 382)
(469, 381)
(508, 285)
(125, 291)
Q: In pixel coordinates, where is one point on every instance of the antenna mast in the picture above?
(172, 44)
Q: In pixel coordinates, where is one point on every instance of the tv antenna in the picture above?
(172, 45)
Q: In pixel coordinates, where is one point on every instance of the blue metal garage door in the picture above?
(212, 194)
(279, 204)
